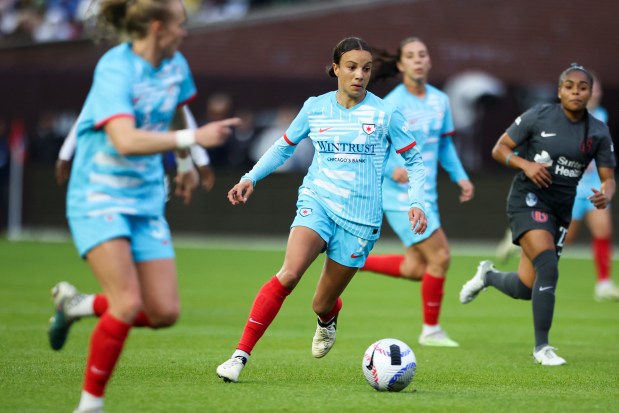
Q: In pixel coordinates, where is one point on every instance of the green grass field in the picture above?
(173, 370)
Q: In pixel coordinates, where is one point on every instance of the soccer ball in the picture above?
(389, 365)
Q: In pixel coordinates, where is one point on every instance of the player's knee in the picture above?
(289, 278)
(164, 316)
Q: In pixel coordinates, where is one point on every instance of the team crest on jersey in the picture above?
(539, 216)
(305, 211)
(369, 128)
(531, 199)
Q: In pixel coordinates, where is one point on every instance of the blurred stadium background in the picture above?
(262, 59)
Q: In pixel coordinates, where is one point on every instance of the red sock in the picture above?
(602, 253)
(432, 297)
(384, 264)
(100, 306)
(334, 311)
(266, 306)
(106, 344)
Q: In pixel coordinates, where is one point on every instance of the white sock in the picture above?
(81, 306)
(89, 402)
(427, 329)
(240, 353)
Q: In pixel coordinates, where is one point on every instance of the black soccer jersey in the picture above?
(545, 135)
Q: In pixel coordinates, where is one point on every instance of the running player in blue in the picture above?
(558, 141)
(426, 257)
(116, 193)
(339, 208)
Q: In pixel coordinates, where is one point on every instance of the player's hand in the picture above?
(207, 177)
(599, 199)
(240, 192)
(185, 183)
(62, 171)
(419, 222)
(400, 175)
(538, 174)
(215, 133)
(467, 190)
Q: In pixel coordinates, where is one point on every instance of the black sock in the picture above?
(543, 296)
(508, 283)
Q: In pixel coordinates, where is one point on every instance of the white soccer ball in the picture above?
(389, 365)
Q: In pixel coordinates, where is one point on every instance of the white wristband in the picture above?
(183, 165)
(185, 138)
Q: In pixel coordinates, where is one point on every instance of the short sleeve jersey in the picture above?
(591, 179)
(431, 117)
(546, 135)
(350, 153)
(125, 85)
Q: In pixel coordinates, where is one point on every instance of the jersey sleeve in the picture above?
(404, 143)
(188, 87)
(605, 153)
(68, 146)
(299, 128)
(520, 130)
(448, 157)
(110, 95)
(447, 128)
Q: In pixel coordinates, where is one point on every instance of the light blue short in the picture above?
(581, 207)
(342, 246)
(149, 236)
(401, 225)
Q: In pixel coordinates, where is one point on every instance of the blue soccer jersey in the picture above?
(351, 147)
(102, 180)
(431, 118)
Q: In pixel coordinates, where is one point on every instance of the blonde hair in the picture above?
(129, 19)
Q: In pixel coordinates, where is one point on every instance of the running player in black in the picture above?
(558, 141)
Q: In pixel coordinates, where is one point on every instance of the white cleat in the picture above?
(506, 248)
(64, 295)
(437, 339)
(606, 291)
(231, 369)
(476, 284)
(547, 357)
(96, 410)
(324, 339)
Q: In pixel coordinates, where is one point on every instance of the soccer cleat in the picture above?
(606, 291)
(437, 339)
(506, 248)
(230, 370)
(63, 295)
(324, 338)
(96, 410)
(547, 357)
(476, 284)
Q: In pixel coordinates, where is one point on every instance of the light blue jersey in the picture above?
(102, 180)
(431, 119)
(351, 147)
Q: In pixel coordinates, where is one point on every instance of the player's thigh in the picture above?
(113, 266)
(304, 246)
(331, 284)
(600, 223)
(159, 286)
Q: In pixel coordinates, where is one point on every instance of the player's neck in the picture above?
(147, 50)
(574, 116)
(416, 87)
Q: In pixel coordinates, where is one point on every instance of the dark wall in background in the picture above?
(271, 208)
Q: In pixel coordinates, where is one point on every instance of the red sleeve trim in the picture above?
(452, 133)
(187, 101)
(99, 125)
(404, 149)
(288, 141)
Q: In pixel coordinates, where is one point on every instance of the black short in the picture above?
(527, 220)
